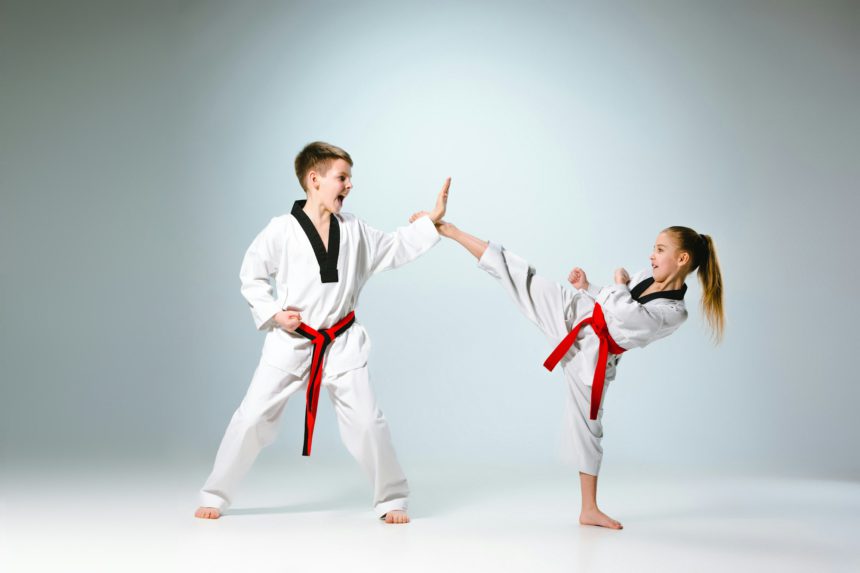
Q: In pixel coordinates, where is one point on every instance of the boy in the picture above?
(320, 259)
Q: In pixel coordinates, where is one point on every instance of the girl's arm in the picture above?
(635, 325)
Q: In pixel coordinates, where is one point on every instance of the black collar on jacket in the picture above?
(327, 260)
(637, 291)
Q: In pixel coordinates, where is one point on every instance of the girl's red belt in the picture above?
(607, 345)
(321, 340)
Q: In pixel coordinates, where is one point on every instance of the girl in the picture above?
(591, 326)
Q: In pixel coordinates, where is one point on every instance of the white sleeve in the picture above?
(593, 290)
(261, 263)
(634, 325)
(391, 250)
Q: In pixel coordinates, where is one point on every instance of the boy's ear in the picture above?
(313, 179)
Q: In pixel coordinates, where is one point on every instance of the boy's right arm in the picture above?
(259, 265)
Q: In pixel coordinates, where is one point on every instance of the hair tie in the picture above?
(703, 249)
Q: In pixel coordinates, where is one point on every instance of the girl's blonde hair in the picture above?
(703, 256)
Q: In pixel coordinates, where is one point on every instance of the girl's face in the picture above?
(666, 258)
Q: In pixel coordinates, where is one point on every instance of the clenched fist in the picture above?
(289, 320)
(578, 279)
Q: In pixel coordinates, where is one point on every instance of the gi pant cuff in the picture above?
(386, 506)
(590, 468)
(211, 500)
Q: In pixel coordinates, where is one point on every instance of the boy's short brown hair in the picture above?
(318, 156)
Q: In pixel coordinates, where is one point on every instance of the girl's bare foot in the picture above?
(396, 516)
(416, 215)
(598, 518)
(207, 513)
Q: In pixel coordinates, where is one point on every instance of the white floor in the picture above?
(302, 516)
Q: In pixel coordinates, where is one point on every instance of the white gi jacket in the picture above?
(323, 286)
(633, 321)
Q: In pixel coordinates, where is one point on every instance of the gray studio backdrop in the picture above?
(144, 144)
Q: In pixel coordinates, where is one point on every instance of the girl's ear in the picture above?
(683, 258)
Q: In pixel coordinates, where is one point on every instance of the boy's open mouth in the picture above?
(340, 199)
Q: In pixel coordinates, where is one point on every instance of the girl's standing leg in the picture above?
(590, 513)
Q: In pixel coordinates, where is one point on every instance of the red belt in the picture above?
(321, 340)
(598, 324)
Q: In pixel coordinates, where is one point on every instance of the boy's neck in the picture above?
(317, 213)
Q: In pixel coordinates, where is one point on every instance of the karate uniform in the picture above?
(324, 287)
(633, 321)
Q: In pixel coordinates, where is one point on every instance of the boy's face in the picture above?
(667, 258)
(331, 188)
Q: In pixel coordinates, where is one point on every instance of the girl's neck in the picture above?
(671, 283)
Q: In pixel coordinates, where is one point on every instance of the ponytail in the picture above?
(703, 255)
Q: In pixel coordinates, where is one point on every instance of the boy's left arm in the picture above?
(391, 250)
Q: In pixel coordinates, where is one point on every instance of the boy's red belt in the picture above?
(598, 324)
(321, 340)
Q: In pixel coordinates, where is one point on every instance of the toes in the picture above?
(201, 513)
(207, 513)
(396, 517)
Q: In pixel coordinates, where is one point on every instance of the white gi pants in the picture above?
(363, 430)
(546, 304)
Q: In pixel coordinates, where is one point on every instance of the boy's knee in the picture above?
(370, 427)
(255, 421)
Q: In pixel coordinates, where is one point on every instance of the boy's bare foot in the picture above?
(598, 518)
(396, 516)
(207, 513)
